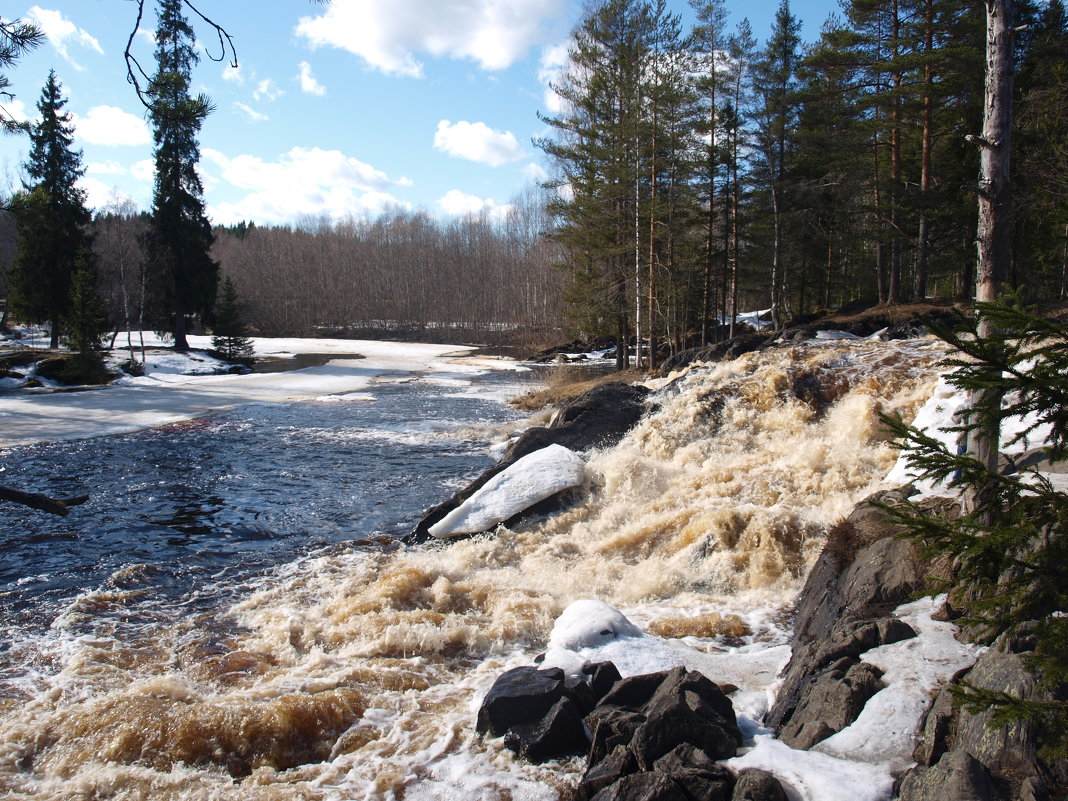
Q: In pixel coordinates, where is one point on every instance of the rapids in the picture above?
(355, 670)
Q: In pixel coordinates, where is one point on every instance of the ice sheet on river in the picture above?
(165, 396)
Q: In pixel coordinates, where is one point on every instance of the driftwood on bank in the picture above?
(56, 506)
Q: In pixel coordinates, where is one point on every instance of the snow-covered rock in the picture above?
(535, 477)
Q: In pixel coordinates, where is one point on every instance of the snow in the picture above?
(535, 477)
(941, 412)
(590, 631)
(179, 387)
(913, 670)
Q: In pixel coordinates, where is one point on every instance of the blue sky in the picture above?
(336, 110)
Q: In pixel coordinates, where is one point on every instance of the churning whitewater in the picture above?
(356, 672)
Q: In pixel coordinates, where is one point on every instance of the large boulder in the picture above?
(597, 419)
(962, 755)
(958, 776)
(831, 701)
(723, 351)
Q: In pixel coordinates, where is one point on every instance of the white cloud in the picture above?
(251, 113)
(105, 168)
(61, 32)
(461, 204)
(144, 170)
(476, 141)
(535, 172)
(110, 125)
(99, 195)
(302, 182)
(308, 82)
(554, 60)
(267, 89)
(387, 34)
(16, 110)
(236, 75)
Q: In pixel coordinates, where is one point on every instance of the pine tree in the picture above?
(50, 216)
(597, 147)
(179, 239)
(229, 332)
(776, 121)
(1012, 547)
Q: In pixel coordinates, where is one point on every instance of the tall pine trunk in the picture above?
(995, 196)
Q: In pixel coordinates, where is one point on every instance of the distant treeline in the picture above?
(404, 274)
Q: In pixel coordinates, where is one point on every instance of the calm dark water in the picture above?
(186, 516)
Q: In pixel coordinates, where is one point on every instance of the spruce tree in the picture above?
(1012, 546)
(50, 216)
(229, 333)
(86, 324)
(179, 239)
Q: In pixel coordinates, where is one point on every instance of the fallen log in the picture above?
(56, 506)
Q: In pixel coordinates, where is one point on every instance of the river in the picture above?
(231, 615)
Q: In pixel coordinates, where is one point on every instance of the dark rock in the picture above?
(603, 678)
(758, 785)
(803, 733)
(596, 419)
(937, 728)
(1004, 750)
(830, 702)
(687, 708)
(731, 349)
(522, 696)
(863, 573)
(697, 773)
(688, 757)
(559, 733)
(672, 724)
(635, 691)
(581, 693)
(618, 763)
(611, 726)
(957, 776)
(643, 787)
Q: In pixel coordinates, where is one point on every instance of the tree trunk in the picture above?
(995, 195)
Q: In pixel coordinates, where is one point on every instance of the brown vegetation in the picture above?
(566, 381)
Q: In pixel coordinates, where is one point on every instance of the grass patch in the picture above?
(563, 382)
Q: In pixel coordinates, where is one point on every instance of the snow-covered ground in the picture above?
(178, 387)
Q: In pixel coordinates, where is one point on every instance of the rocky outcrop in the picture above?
(596, 419)
(730, 349)
(961, 755)
(845, 609)
(539, 712)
